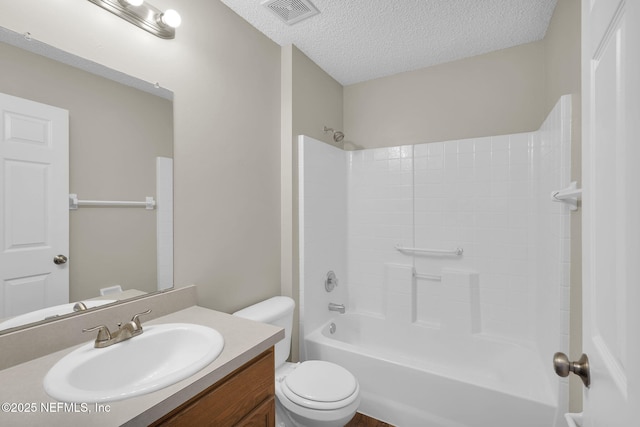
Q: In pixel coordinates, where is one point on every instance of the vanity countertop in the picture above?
(25, 403)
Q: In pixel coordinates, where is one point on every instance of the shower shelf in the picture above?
(569, 195)
(456, 251)
(74, 203)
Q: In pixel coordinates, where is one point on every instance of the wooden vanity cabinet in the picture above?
(246, 397)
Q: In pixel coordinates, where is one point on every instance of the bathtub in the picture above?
(418, 376)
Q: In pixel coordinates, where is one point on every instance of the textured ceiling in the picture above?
(358, 40)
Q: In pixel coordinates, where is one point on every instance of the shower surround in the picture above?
(508, 290)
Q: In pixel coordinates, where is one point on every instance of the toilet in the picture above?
(313, 393)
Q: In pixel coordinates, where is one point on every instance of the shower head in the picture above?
(337, 135)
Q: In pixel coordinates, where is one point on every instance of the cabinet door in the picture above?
(230, 401)
(263, 416)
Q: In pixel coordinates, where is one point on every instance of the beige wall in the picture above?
(116, 132)
(311, 99)
(497, 93)
(506, 91)
(317, 99)
(562, 52)
(226, 80)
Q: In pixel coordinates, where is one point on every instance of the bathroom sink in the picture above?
(161, 356)
(49, 312)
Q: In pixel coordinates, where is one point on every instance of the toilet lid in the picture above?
(319, 382)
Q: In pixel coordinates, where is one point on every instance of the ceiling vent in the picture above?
(291, 11)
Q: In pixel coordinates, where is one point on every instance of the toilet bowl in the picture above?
(313, 393)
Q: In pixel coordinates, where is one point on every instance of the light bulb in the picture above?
(171, 18)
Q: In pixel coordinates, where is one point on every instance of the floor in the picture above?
(361, 420)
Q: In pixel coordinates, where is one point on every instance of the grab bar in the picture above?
(74, 203)
(456, 251)
(427, 277)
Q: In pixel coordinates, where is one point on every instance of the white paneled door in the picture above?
(611, 208)
(34, 205)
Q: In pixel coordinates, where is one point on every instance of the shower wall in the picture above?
(489, 196)
(322, 229)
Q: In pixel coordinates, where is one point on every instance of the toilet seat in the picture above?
(320, 385)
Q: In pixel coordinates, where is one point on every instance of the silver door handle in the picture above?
(60, 259)
(562, 367)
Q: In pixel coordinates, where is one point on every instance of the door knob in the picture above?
(60, 259)
(562, 367)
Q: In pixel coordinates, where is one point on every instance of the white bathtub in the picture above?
(417, 376)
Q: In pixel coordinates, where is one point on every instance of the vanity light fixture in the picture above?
(144, 15)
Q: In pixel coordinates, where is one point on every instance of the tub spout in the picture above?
(336, 307)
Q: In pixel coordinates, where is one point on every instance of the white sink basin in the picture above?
(162, 355)
(42, 314)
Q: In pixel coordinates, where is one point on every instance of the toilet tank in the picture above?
(277, 311)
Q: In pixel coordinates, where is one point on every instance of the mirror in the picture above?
(120, 138)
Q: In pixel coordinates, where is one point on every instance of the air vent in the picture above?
(291, 11)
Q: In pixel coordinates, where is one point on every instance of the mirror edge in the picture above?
(26, 42)
(89, 310)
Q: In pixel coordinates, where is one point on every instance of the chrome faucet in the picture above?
(129, 330)
(79, 306)
(336, 307)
